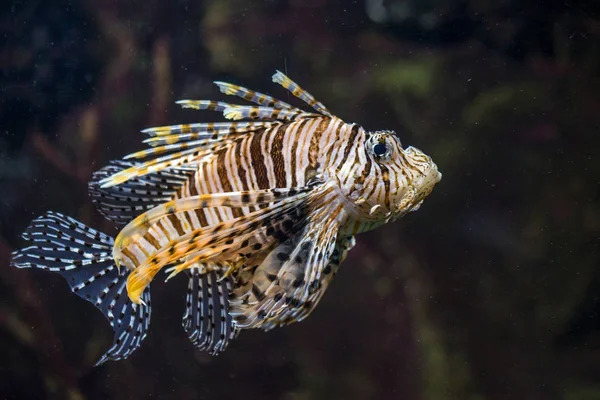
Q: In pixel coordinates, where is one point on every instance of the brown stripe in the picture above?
(277, 157)
(192, 184)
(356, 161)
(176, 224)
(367, 169)
(224, 179)
(163, 229)
(385, 175)
(350, 143)
(187, 220)
(295, 141)
(313, 148)
(258, 162)
(335, 136)
(130, 255)
(141, 248)
(201, 217)
(238, 163)
(205, 175)
(236, 212)
(406, 177)
(152, 240)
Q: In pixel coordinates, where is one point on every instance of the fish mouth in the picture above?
(417, 192)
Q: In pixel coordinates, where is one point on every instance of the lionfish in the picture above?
(260, 214)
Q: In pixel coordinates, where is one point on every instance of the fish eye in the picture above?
(379, 146)
(380, 149)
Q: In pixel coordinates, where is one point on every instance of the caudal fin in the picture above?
(83, 256)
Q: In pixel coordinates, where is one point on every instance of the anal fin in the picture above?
(206, 320)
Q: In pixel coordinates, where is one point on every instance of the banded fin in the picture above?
(83, 256)
(206, 320)
(227, 240)
(265, 113)
(290, 276)
(173, 134)
(197, 145)
(300, 93)
(178, 145)
(140, 225)
(126, 201)
(176, 155)
(254, 97)
(204, 128)
(209, 105)
(174, 160)
(237, 111)
(302, 309)
(170, 151)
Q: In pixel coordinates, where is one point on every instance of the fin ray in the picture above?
(209, 328)
(204, 128)
(253, 96)
(300, 93)
(124, 202)
(178, 159)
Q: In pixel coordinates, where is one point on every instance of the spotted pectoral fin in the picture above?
(142, 223)
(206, 320)
(230, 241)
(291, 277)
(318, 287)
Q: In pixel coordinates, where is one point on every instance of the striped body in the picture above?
(289, 155)
(279, 157)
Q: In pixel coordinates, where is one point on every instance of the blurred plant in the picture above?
(49, 65)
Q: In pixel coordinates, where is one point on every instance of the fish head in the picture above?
(390, 180)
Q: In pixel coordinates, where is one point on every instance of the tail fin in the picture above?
(83, 256)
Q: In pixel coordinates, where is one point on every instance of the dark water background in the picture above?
(490, 291)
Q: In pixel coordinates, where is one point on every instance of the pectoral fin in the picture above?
(291, 278)
(140, 225)
(258, 231)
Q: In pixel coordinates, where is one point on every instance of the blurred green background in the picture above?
(490, 291)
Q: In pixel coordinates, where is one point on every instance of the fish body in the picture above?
(259, 213)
